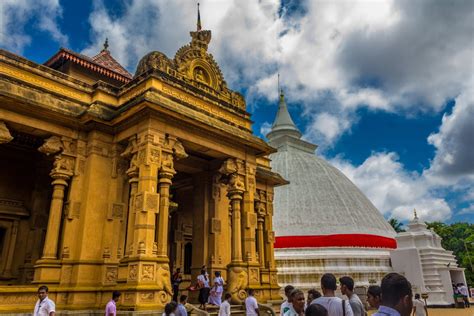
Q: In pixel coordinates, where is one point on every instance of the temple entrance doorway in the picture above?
(25, 192)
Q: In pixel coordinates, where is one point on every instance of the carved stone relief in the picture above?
(132, 274)
(111, 275)
(148, 272)
(5, 135)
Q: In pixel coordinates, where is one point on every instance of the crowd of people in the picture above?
(461, 289)
(392, 298)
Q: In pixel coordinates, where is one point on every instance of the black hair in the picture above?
(217, 273)
(316, 310)
(116, 294)
(348, 282)
(182, 298)
(295, 292)
(375, 291)
(394, 288)
(328, 281)
(314, 293)
(417, 296)
(43, 287)
(227, 296)
(251, 291)
(170, 308)
(288, 290)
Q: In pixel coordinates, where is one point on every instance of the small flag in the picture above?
(199, 20)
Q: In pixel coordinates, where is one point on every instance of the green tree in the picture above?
(398, 226)
(459, 238)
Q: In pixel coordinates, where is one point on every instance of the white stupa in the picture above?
(322, 221)
(430, 268)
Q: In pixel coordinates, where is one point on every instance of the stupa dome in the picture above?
(320, 200)
(322, 221)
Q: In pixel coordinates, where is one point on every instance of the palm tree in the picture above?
(397, 226)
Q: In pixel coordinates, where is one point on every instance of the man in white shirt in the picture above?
(44, 306)
(224, 309)
(251, 305)
(286, 305)
(347, 289)
(334, 305)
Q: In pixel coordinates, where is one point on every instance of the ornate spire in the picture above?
(106, 44)
(199, 20)
(200, 38)
(414, 212)
(283, 124)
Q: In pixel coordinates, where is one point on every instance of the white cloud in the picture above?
(454, 159)
(265, 128)
(405, 57)
(393, 190)
(328, 126)
(15, 14)
(384, 55)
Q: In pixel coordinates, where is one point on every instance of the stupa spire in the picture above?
(199, 27)
(283, 124)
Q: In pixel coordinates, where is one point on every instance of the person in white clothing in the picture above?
(419, 307)
(44, 306)
(224, 309)
(297, 303)
(334, 305)
(465, 294)
(251, 305)
(285, 306)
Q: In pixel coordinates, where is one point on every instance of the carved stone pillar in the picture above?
(172, 149)
(237, 269)
(235, 197)
(47, 268)
(151, 169)
(164, 183)
(50, 250)
(260, 209)
(132, 172)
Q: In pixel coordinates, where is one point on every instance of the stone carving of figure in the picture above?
(199, 75)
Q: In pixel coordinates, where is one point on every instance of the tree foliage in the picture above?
(459, 238)
(397, 226)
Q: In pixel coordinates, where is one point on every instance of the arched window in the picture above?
(188, 255)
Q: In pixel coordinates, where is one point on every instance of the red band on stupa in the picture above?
(339, 240)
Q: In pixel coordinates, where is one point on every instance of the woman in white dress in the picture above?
(216, 292)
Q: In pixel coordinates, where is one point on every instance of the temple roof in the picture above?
(105, 59)
(103, 63)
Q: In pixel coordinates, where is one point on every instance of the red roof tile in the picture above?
(105, 59)
(102, 63)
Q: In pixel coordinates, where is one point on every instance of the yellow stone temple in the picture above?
(110, 181)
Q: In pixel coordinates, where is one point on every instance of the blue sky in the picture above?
(385, 88)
